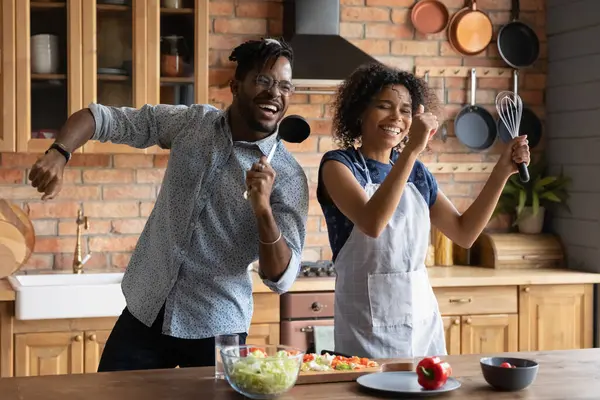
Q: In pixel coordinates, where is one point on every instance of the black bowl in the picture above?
(508, 379)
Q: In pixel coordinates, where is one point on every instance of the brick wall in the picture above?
(117, 192)
(573, 109)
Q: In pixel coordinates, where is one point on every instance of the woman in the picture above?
(378, 201)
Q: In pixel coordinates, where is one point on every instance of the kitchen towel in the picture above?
(324, 339)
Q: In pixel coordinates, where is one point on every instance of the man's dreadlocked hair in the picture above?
(256, 53)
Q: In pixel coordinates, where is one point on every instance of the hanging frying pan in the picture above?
(530, 123)
(474, 126)
(470, 30)
(518, 44)
(429, 16)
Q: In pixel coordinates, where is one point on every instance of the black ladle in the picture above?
(292, 129)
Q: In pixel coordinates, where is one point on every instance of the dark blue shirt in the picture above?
(339, 226)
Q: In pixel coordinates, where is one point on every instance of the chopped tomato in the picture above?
(308, 357)
(506, 365)
(253, 349)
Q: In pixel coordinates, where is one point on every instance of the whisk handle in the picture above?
(523, 172)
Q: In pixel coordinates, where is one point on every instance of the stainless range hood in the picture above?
(322, 58)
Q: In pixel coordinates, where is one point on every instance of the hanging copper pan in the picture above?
(470, 30)
(429, 16)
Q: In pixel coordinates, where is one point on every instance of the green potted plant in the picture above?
(528, 201)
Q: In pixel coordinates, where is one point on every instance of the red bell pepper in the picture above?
(433, 373)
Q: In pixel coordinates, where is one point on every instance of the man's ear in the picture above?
(234, 86)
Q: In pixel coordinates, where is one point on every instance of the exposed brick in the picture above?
(128, 226)
(51, 209)
(90, 160)
(150, 175)
(96, 227)
(79, 192)
(160, 161)
(38, 262)
(259, 10)
(127, 192)
(108, 176)
(390, 3)
(50, 244)
(320, 127)
(414, 48)
(220, 76)
(220, 8)
(12, 176)
(309, 145)
(306, 110)
(373, 46)
(389, 31)
(240, 25)
(352, 2)
(352, 30)
(15, 160)
(401, 16)
(365, 14)
(111, 209)
(45, 227)
(133, 160)
(64, 261)
(120, 260)
(121, 243)
(146, 208)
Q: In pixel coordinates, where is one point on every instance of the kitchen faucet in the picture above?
(78, 263)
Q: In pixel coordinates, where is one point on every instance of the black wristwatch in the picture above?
(61, 149)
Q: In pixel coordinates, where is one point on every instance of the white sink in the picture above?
(53, 296)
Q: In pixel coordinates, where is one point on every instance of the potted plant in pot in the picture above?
(528, 201)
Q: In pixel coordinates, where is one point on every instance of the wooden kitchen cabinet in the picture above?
(476, 334)
(106, 53)
(556, 317)
(8, 68)
(49, 353)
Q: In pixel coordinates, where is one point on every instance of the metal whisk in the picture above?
(510, 110)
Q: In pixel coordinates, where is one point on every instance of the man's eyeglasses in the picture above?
(266, 83)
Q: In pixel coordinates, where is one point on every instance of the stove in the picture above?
(316, 269)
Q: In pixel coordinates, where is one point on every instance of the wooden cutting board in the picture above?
(310, 377)
(17, 238)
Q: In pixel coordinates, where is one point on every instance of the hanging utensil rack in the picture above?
(463, 72)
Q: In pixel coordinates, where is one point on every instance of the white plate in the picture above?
(404, 383)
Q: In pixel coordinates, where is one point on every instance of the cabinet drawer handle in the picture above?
(457, 321)
(460, 301)
(317, 307)
(308, 329)
(78, 338)
(468, 321)
(93, 338)
(526, 290)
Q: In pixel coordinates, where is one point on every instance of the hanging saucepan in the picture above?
(518, 44)
(429, 16)
(530, 123)
(474, 126)
(470, 30)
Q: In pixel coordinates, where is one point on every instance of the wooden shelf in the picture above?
(113, 7)
(45, 5)
(176, 11)
(177, 80)
(47, 77)
(114, 78)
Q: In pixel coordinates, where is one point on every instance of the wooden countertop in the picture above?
(440, 277)
(458, 276)
(562, 375)
(6, 291)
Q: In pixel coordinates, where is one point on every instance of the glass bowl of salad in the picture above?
(261, 372)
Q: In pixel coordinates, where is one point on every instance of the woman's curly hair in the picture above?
(356, 93)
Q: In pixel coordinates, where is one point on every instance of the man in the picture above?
(188, 278)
